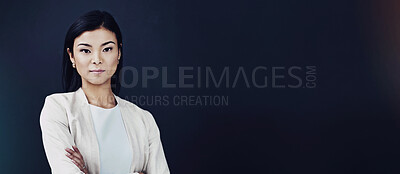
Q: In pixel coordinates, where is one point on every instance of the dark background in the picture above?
(349, 123)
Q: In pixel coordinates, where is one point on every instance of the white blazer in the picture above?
(66, 120)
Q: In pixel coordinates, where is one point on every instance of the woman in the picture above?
(89, 129)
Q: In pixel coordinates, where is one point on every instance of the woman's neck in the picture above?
(99, 95)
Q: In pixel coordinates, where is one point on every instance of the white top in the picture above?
(115, 149)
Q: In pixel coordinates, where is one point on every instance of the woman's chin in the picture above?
(97, 82)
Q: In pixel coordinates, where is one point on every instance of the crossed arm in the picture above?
(77, 159)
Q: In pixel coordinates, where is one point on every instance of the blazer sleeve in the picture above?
(157, 163)
(56, 137)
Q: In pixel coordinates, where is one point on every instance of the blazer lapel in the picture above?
(90, 139)
(129, 123)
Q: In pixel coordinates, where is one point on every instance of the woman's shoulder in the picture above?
(60, 94)
(66, 100)
(130, 105)
(54, 108)
(142, 112)
(59, 97)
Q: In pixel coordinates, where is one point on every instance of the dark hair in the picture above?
(90, 21)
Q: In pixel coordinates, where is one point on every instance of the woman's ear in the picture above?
(71, 56)
(119, 51)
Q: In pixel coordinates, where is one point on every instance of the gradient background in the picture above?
(348, 124)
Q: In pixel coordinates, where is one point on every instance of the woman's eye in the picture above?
(107, 49)
(85, 50)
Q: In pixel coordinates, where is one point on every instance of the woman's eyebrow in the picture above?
(105, 43)
(84, 44)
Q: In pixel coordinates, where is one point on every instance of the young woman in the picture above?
(89, 129)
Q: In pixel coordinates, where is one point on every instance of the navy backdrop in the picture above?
(345, 122)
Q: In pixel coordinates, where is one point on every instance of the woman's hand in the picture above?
(77, 158)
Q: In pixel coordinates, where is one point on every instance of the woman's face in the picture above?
(96, 56)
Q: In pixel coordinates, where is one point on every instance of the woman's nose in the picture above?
(96, 59)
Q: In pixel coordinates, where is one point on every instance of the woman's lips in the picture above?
(97, 71)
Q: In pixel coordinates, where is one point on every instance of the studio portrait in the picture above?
(194, 87)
